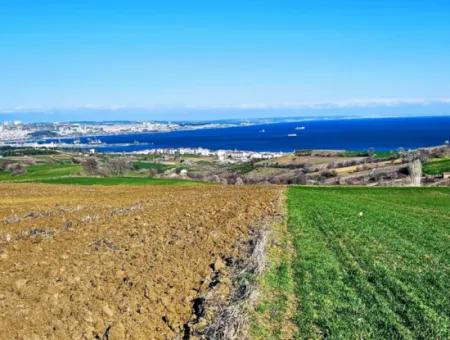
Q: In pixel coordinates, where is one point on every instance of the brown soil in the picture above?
(117, 262)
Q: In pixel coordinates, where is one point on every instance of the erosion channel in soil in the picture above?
(124, 262)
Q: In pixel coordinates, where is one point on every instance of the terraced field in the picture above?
(437, 166)
(120, 261)
(371, 263)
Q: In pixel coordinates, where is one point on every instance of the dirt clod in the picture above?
(108, 311)
(21, 283)
(219, 264)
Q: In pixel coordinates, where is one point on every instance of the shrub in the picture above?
(16, 169)
(328, 174)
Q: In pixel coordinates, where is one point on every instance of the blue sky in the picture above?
(245, 56)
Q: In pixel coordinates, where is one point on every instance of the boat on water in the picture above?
(292, 135)
(94, 141)
(298, 128)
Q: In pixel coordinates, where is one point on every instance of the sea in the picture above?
(380, 134)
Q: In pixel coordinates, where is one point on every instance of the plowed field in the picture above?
(117, 262)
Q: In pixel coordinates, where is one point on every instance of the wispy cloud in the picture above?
(351, 103)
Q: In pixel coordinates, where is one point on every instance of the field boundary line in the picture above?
(275, 302)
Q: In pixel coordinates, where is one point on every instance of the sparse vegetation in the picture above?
(242, 168)
(9, 151)
(272, 316)
(139, 165)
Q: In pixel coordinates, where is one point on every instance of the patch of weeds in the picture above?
(271, 318)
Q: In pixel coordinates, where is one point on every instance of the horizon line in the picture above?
(356, 103)
(253, 121)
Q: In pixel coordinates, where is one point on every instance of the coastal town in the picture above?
(53, 136)
(20, 132)
(17, 131)
(221, 155)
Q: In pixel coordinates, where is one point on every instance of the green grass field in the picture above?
(68, 173)
(437, 166)
(43, 171)
(378, 154)
(139, 165)
(371, 263)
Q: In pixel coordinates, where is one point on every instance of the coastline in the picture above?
(382, 134)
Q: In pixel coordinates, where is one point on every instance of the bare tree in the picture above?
(153, 172)
(118, 166)
(301, 179)
(91, 165)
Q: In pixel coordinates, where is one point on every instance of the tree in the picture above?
(301, 179)
(118, 166)
(91, 165)
(153, 172)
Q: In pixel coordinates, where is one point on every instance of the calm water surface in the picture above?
(349, 134)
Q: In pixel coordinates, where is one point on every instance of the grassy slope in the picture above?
(67, 173)
(150, 165)
(437, 167)
(44, 171)
(381, 275)
(242, 168)
(379, 154)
